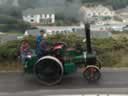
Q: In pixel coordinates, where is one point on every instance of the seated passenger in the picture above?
(24, 50)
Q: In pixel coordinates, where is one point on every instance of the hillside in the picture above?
(116, 4)
(66, 8)
(49, 3)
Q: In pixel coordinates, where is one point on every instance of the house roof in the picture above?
(35, 11)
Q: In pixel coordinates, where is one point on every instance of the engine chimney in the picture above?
(91, 55)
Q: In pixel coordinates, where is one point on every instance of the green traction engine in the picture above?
(61, 61)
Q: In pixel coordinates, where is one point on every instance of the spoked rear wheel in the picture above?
(92, 73)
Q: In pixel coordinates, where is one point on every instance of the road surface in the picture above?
(113, 81)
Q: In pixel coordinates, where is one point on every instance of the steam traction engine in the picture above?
(50, 69)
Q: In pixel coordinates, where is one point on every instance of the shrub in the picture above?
(9, 51)
(111, 52)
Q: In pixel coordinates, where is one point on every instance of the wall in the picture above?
(40, 19)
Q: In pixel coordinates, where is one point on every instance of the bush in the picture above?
(110, 52)
(10, 50)
(70, 39)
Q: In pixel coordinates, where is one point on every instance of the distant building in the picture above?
(100, 13)
(52, 30)
(96, 31)
(39, 16)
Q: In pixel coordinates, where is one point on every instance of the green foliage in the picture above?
(70, 39)
(116, 4)
(110, 52)
(10, 50)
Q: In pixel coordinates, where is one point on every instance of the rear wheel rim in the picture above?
(50, 73)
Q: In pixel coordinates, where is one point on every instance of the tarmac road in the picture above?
(18, 84)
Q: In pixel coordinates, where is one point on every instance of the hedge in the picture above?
(111, 52)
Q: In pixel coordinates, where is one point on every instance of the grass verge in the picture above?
(10, 66)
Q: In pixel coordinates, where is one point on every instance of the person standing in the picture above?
(41, 44)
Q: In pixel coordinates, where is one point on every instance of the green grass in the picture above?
(120, 35)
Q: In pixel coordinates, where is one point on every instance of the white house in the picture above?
(103, 11)
(98, 13)
(39, 16)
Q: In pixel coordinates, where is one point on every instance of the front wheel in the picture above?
(92, 73)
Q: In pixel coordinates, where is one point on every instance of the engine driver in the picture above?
(41, 44)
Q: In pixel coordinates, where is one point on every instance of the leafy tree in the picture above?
(115, 3)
